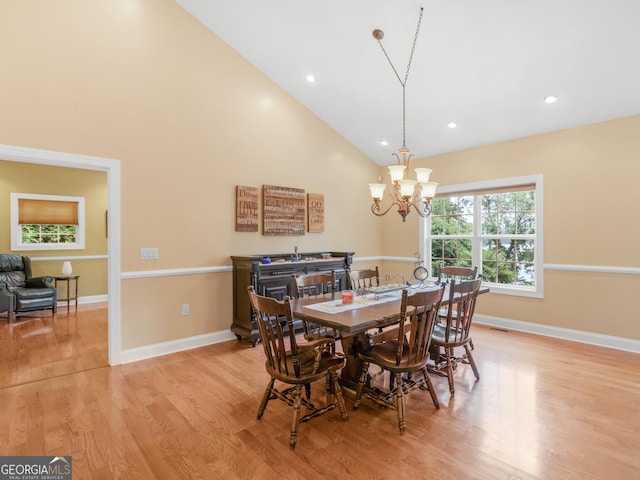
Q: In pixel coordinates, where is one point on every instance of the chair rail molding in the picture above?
(547, 266)
(172, 272)
(592, 268)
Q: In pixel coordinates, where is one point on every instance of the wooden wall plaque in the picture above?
(315, 212)
(283, 210)
(246, 209)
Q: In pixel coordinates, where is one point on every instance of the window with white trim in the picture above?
(46, 222)
(494, 225)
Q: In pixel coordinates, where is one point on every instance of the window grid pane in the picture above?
(505, 238)
(48, 234)
(451, 217)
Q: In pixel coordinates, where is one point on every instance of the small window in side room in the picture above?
(46, 222)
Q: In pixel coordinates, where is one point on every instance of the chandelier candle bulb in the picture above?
(377, 190)
(407, 187)
(428, 189)
(422, 174)
(396, 172)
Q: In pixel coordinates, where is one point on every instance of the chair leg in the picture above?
(402, 423)
(11, 315)
(337, 390)
(472, 362)
(449, 355)
(297, 401)
(432, 392)
(361, 382)
(265, 398)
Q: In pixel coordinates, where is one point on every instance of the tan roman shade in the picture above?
(47, 212)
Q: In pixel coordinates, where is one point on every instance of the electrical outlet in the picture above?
(185, 309)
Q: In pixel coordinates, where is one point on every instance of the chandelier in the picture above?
(406, 194)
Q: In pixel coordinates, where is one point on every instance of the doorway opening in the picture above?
(112, 169)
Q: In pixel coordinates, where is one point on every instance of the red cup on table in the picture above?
(347, 296)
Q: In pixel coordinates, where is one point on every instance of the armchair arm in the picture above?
(40, 282)
(320, 345)
(6, 299)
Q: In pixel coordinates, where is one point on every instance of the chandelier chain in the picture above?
(406, 75)
(413, 47)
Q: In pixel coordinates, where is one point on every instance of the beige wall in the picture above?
(46, 180)
(590, 176)
(189, 119)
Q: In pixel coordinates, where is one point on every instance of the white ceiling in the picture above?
(485, 64)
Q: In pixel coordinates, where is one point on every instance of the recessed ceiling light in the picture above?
(384, 143)
(310, 78)
(452, 125)
(551, 99)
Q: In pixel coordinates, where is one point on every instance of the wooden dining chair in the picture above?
(407, 353)
(365, 278)
(449, 273)
(311, 285)
(455, 333)
(295, 365)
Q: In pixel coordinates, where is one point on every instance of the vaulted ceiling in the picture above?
(484, 64)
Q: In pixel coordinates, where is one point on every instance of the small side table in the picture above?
(67, 279)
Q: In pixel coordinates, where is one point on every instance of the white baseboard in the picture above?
(600, 340)
(174, 346)
(85, 300)
(618, 343)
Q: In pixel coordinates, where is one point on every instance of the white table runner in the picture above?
(336, 306)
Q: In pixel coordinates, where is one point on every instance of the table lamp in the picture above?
(66, 268)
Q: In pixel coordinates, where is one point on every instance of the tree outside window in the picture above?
(493, 228)
(46, 222)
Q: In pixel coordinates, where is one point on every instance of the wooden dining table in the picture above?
(353, 321)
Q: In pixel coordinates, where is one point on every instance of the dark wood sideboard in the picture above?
(274, 280)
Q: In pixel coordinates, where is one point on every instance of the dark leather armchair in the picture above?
(19, 291)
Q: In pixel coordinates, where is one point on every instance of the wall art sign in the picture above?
(315, 212)
(246, 209)
(283, 210)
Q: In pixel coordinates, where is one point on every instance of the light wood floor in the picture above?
(543, 409)
(40, 345)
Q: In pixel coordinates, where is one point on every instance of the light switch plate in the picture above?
(148, 254)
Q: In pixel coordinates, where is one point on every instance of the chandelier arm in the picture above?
(424, 212)
(376, 210)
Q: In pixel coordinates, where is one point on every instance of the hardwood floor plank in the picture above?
(42, 345)
(543, 409)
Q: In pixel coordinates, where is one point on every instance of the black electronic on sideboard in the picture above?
(273, 279)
